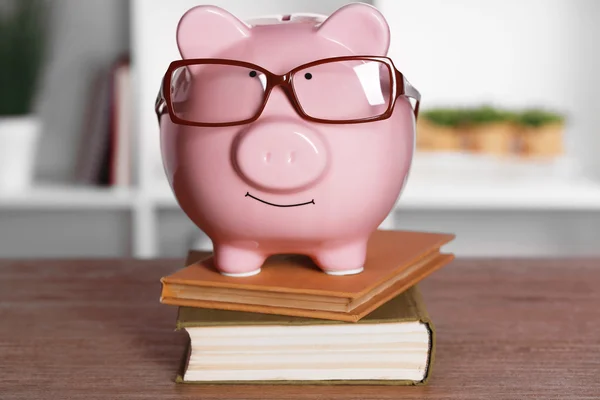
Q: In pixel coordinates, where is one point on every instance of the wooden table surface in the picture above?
(507, 329)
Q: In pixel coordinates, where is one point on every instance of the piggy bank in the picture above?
(286, 135)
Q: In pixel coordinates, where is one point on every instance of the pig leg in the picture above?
(237, 262)
(346, 259)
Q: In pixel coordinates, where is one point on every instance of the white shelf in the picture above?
(469, 182)
(436, 182)
(439, 187)
(470, 194)
(67, 197)
(538, 195)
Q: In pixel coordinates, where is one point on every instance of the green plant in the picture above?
(448, 117)
(488, 115)
(536, 117)
(470, 116)
(23, 42)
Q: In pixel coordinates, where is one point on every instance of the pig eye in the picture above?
(308, 75)
(252, 74)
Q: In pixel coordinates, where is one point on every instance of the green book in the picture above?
(394, 345)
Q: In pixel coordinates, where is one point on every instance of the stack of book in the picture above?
(292, 323)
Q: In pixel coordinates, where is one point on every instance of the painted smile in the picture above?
(280, 205)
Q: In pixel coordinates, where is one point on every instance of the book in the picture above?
(293, 285)
(121, 132)
(393, 345)
(95, 138)
(105, 149)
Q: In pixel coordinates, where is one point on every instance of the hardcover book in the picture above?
(293, 285)
(393, 345)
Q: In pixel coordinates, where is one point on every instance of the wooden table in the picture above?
(509, 329)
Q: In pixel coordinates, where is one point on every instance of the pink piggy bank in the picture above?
(286, 135)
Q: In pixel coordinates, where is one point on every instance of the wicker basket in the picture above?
(496, 139)
(545, 141)
(433, 137)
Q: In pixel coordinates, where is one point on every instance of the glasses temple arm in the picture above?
(160, 105)
(409, 90)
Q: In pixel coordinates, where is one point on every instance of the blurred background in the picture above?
(506, 153)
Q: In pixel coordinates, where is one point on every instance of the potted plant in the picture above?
(540, 133)
(491, 130)
(23, 40)
(441, 129)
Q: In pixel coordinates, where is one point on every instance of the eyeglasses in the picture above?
(341, 90)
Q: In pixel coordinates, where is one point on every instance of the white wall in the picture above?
(511, 53)
(511, 233)
(64, 233)
(87, 36)
(508, 52)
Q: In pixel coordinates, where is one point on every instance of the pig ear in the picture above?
(360, 27)
(205, 31)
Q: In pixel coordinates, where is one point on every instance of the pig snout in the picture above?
(281, 156)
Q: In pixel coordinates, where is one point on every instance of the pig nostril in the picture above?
(267, 157)
(292, 157)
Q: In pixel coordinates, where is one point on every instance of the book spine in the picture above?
(418, 304)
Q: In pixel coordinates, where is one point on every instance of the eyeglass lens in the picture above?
(344, 90)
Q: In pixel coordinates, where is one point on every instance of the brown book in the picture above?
(293, 285)
(393, 345)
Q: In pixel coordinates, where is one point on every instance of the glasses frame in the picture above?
(400, 87)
